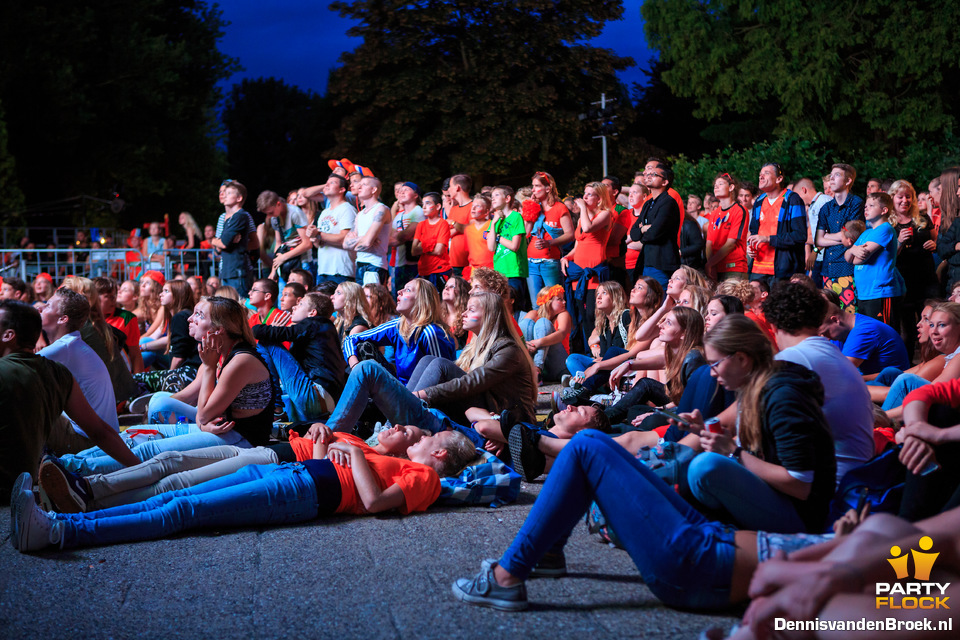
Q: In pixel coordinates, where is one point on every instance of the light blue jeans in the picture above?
(551, 361)
(176, 437)
(163, 409)
(542, 273)
(900, 387)
(254, 495)
(686, 560)
(723, 484)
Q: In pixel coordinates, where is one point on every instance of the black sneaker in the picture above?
(551, 565)
(508, 418)
(525, 455)
(61, 490)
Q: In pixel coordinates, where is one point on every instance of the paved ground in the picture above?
(372, 577)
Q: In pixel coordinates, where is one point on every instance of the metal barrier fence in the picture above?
(122, 264)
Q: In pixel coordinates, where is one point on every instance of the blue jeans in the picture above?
(364, 268)
(239, 279)
(658, 275)
(163, 409)
(254, 495)
(551, 360)
(541, 273)
(176, 437)
(900, 387)
(322, 277)
(370, 381)
(306, 398)
(723, 484)
(151, 358)
(403, 275)
(579, 362)
(439, 280)
(686, 560)
(886, 377)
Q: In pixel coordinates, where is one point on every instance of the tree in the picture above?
(110, 93)
(10, 194)
(488, 87)
(275, 133)
(850, 74)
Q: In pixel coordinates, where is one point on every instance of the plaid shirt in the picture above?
(489, 482)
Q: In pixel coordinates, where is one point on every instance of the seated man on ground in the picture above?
(34, 391)
(61, 318)
(869, 344)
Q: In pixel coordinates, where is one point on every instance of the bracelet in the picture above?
(736, 454)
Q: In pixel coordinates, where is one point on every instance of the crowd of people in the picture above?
(724, 362)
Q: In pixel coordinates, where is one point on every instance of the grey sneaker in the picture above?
(483, 590)
(565, 380)
(23, 484)
(35, 529)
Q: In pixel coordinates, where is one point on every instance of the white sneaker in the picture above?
(35, 529)
(24, 482)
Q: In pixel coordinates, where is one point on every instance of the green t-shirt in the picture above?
(33, 393)
(512, 264)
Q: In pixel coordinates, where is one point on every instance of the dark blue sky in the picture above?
(299, 41)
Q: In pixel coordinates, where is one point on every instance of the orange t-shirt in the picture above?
(430, 235)
(478, 255)
(419, 483)
(591, 249)
(551, 219)
(763, 259)
(622, 217)
(458, 244)
(683, 208)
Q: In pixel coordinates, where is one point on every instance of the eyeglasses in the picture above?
(714, 365)
(259, 290)
(653, 173)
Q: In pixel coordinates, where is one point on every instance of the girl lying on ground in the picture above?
(345, 476)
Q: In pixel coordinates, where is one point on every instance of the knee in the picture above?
(705, 470)
(367, 369)
(542, 327)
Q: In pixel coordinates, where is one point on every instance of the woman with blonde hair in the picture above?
(778, 473)
(695, 297)
(917, 242)
(148, 302)
(353, 311)
(547, 332)
(549, 227)
(585, 266)
(681, 334)
(417, 332)
(229, 403)
(192, 229)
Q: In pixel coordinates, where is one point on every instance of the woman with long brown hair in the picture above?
(549, 227)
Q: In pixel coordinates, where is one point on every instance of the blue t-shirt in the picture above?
(879, 277)
(877, 344)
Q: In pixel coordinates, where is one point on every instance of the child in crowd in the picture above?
(431, 242)
(312, 373)
(507, 240)
(546, 330)
(478, 253)
(263, 298)
(874, 255)
(291, 295)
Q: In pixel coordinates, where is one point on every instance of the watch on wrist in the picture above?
(736, 454)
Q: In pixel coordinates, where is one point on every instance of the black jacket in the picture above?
(660, 249)
(796, 436)
(314, 344)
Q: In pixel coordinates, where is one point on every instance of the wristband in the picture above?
(736, 454)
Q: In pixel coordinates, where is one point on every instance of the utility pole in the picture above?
(605, 117)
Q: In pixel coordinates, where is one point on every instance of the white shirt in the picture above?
(90, 373)
(335, 261)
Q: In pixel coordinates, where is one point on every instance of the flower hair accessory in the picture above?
(555, 291)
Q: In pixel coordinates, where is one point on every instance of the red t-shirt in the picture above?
(591, 249)
(769, 213)
(430, 235)
(724, 224)
(126, 322)
(622, 217)
(458, 244)
(683, 208)
(419, 483)
(552, 218)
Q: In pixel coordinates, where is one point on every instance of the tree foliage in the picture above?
(488, 87)
(10, 193)
(847, 73)
(114, 92)
(275, 134)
